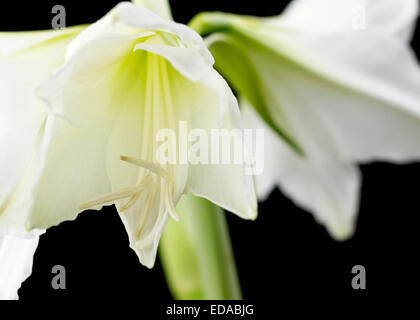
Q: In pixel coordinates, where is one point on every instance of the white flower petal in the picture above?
(85, 99)
(357, 103)
(13, 42)
(326, 187)
(224, 184)
(127, 18)
(369, 102)
(398, 18)
(142, 18)
(73, 171)
(186, 61)
(161, 7)
(16, 258)
(144, 223)
(22, 117)
(394, 17)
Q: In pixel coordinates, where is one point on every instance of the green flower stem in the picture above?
(196, 253)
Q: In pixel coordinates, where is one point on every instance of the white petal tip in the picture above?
(342, 233)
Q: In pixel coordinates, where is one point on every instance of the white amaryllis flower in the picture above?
(335, 83)
(126, 77)
(25, 60)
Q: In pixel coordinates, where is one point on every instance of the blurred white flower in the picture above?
(330, 95)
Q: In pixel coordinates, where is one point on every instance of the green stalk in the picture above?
(196, 253)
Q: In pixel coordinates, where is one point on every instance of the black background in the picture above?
(283, 254)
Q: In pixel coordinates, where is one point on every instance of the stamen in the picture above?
(131, 201)
(145, 182)
(117, 195)
(155, 168)
(150, 199)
